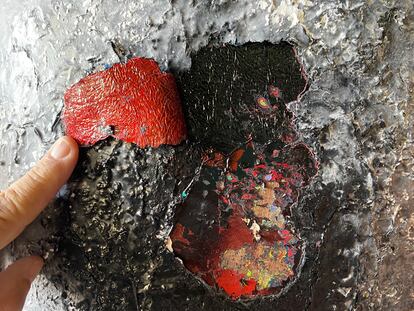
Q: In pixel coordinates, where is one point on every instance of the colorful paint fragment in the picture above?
(274, 91)
(263, 103)
(232, 229)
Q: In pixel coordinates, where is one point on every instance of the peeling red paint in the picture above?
(134, 102)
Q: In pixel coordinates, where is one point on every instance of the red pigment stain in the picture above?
(274, 91)
(235, 284)
(134, 102)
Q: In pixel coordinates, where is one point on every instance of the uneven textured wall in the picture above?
(356, 116)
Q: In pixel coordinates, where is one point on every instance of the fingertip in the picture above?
(60, 161)
(73, 144)
(74, 149)
(27, 197)
(64, 149)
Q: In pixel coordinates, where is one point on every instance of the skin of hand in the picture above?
(20, 204)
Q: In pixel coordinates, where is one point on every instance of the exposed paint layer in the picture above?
(232, 229)
(134, 102)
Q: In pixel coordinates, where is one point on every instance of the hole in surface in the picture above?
(233, 228)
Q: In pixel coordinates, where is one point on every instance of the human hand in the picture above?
(20, 204)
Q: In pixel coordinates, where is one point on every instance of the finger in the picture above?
(27, 197)
(16, 280)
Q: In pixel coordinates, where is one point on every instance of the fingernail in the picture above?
(60, 149)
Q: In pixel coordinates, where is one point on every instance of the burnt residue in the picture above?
(115, 222)
(234, 228)
(110, 253)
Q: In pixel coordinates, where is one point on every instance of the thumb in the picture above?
(26, 198)
(16, 280)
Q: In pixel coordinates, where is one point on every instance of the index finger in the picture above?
(23, 201)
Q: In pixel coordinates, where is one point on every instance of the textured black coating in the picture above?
(220, 90)
(121, 202)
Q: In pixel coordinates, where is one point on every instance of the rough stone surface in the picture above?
(356, 116)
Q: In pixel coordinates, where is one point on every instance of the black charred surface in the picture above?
(122, 199)
(120, 205)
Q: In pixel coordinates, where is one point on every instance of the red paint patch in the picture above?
(235, 284)
(134, 102)
(236, 234)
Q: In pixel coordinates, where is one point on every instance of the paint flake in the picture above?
(134, 102)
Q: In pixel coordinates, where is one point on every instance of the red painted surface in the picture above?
(235, 284)
(134, 102)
